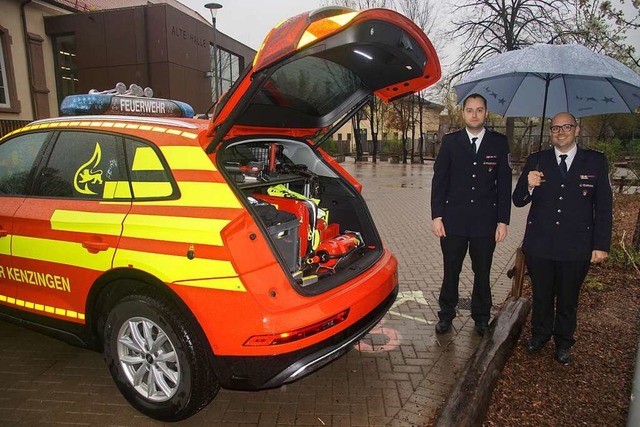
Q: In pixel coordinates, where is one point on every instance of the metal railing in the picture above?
(7, 126)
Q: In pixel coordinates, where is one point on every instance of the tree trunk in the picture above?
(420, 126)
(636, 234)
(510, 132)
(374, 142)
(412, 117)
(374, 134)
(405, 136)
(355, 124)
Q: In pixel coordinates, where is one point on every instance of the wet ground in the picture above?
(398, 375)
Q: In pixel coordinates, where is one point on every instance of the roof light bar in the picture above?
(134, 101)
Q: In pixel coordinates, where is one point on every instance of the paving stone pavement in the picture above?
(397, 375)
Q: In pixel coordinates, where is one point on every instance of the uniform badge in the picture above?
(584, 192)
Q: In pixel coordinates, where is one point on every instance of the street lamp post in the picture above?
(213, 8)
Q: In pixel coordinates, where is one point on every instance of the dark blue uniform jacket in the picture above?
(472, 193)
(568, 217)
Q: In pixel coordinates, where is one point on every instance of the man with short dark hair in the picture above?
(470, 207)
(569, 226)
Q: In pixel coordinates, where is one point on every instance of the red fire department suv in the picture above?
(198, 253)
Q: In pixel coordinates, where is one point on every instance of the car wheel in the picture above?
(158, 358)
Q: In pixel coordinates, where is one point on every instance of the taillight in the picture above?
(298, 334)
(297, 32)
(324, 27)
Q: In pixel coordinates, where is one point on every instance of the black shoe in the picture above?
(534, 345)
(481, 328)
(562, 355)
(443, 326)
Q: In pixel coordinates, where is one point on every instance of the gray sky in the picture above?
(249, 21)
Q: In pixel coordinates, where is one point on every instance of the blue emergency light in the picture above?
(120, 101)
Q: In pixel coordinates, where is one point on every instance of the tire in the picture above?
(158, 358)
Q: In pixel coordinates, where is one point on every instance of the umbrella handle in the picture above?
(547, 80)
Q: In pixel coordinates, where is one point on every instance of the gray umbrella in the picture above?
(545, 79)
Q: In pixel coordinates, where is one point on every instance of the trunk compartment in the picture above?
(318, 223)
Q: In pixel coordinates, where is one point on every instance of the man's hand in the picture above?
(534, 179)
(598, 256)
(501, 232)
(437, 226)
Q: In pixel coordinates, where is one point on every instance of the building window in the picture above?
(8, 95)
(4, 90)
(229, 68)
(66, 66)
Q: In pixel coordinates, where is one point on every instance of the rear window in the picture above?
(311, 85)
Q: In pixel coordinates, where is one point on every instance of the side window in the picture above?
(150, 178)
(84, 165)
(17, 159)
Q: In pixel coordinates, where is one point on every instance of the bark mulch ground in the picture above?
(595, 388)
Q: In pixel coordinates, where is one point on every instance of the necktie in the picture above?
(563, 165)
(473, 144)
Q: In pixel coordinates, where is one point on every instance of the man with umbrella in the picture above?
(569, 226)
(470, 207)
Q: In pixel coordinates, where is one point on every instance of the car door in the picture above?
(18, 155)
(66, 232)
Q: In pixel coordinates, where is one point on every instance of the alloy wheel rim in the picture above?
(149, 359)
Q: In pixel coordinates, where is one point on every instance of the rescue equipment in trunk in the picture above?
(332, 251)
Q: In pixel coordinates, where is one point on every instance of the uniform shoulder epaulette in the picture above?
(452, 131)
(538, 151)
(593, 149)
(496, 132)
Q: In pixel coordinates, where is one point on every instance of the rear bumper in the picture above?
(259, 372)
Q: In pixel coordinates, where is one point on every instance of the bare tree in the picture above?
(357, 134)
(402, 119)
(370, 113)
(425, 14)
(489, 27)
(603, 26)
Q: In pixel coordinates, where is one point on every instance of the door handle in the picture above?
(95, 247)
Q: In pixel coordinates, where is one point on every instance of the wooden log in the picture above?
(517, 271)
(469, 400)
